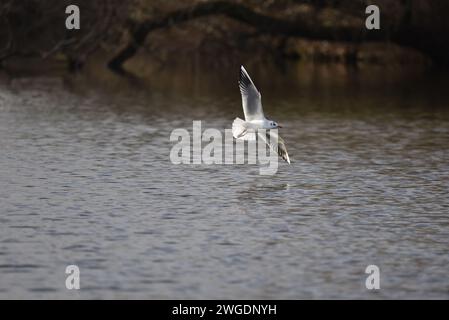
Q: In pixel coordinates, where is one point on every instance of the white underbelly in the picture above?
(256, 124)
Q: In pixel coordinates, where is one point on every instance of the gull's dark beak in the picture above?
(279, 126)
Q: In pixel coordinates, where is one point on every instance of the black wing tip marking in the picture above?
(281, 149)
(283, 154)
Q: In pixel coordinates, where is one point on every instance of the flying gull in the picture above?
(255, 119)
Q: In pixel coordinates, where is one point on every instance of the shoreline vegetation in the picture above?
(222, 33)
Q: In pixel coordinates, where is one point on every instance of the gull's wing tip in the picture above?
(243, 71)
(244, 79)
(286, 157)
(282, 151)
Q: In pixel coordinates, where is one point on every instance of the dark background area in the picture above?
(413, 32)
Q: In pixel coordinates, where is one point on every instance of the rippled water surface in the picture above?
(85, 179)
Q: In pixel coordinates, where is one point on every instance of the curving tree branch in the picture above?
(405, 34)
(263, 23)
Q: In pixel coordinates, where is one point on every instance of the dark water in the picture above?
(85, 179)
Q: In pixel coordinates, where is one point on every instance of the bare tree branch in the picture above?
(307, 29)
(263, 23)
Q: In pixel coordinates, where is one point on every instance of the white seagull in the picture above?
(255, 119)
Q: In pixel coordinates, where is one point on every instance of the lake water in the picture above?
(86, 179)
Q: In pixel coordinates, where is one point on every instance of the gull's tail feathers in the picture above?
(240, 130)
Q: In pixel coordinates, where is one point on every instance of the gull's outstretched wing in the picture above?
(251, 98)
(278, 147)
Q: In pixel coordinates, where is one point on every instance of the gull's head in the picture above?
(273, 125)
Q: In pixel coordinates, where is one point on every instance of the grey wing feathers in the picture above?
(251, 98)
(278, 147)
(282, 150)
